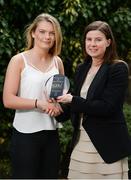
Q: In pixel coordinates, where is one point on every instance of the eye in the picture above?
(42, 31)
(52, 33)
(98, 39)
(88, 39)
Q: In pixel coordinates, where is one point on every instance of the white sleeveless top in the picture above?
(32, 87)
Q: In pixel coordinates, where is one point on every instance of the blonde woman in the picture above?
(35, 143)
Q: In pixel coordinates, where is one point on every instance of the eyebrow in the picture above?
(94, 37)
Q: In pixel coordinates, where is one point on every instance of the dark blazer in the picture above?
(103, 110)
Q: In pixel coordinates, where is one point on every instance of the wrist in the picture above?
(36, 105)
(42, 105)
(71, 97)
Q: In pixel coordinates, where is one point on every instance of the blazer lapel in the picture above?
(82, 75)
(97, 81)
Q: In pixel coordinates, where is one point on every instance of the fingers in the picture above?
(52, 100)
(53, 109)
(53, 113)
(59, 107)
(67, 98)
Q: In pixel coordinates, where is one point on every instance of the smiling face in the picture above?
(44, 35)
(96, 44)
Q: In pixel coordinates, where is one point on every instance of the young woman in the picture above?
(35, 143)
(101, 141)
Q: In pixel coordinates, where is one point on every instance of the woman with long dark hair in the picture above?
(101, 143)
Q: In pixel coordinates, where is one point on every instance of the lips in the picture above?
(93, 50)
(46, 42)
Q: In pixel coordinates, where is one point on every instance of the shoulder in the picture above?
(120, 65)
(17, 61)
(17, 58)
(59, 62)
(119, 70)
(120, 62)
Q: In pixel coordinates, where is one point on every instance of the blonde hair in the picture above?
(56, 49)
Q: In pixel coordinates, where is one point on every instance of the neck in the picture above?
(40, 54)
(96, 62)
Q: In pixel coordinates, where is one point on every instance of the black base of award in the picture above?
(57, 86)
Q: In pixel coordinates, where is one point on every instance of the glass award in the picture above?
(56, 85)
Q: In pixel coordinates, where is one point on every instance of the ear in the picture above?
(108, 42)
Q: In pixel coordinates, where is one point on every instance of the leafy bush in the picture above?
(65, 134)
(127, 112)
(73, 16)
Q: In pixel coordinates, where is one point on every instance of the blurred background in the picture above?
(73, 16)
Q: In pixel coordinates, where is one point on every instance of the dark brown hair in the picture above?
(111, 53)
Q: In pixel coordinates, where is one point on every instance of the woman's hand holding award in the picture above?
(56, 85)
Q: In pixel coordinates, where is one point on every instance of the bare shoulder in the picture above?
(60, 64)
(17, 60)
(59, 60)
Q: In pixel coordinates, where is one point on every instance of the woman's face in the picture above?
(96, 44)
(44, 35)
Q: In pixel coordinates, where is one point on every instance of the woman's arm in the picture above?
(11, 85)
(111, 98)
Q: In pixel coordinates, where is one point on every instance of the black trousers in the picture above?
(35, 155)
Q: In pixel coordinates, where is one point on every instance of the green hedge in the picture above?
(127, 112)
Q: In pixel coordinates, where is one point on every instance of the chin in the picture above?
(94, 56)
(46, 48)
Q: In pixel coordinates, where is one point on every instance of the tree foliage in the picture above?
(73, 16)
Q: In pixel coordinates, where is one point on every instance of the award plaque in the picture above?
(56, 85)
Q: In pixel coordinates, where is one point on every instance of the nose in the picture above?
(93, 43)
(47, 35)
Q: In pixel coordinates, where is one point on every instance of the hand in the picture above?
(67, 98)
(53, 109)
